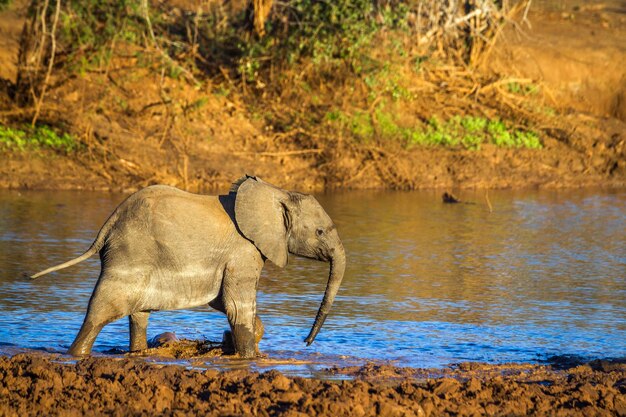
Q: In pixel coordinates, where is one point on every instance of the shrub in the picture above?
(40, 136)
(469, 132)
(472, 132)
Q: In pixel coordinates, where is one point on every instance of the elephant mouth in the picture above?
(320, 258)
(318, 255)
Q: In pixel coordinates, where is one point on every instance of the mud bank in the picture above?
(46, 384)
(133, 127)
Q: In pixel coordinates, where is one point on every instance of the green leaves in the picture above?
(469, 132)
(330, 33)
(41, 136)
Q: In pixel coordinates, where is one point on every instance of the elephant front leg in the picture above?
(239, 298)
(259, 331)
(138, 324)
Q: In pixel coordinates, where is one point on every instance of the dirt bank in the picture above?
(136, 126)
(45, 384)
(575, 49)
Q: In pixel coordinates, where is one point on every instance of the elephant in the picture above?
(165, 249)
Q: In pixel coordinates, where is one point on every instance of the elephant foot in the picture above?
(78, 352)
(228, 345)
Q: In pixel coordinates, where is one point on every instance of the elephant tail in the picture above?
(94, 248)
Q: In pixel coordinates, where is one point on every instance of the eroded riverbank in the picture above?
(130, 125)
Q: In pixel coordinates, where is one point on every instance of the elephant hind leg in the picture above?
(138, 325)
(106, 305)
(84, 340)
(92, 325)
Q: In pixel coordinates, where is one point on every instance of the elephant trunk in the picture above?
(337, 268)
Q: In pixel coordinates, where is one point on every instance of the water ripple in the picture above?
(426, 284)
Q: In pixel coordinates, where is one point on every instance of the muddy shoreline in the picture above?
(32, 384)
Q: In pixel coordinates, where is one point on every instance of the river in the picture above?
(541, 274)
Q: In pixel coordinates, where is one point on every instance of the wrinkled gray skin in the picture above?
(166, 249)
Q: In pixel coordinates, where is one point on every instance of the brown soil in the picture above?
(46, 384)
(576, 49)
(183, 349)
(139, 128)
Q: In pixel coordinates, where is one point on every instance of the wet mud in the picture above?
(38, 384)
(166, 346)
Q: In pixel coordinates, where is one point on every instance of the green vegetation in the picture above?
(308, 49)
(89, 29)
(91, 24)
(468, 132)
(386, 82)
(523, 89)
(329, 34)
(40, 136)
(328, 31)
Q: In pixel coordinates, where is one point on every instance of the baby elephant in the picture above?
(166, 249)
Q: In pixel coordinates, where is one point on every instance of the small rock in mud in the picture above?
(167, 345)
(162, 339)
(448, 198)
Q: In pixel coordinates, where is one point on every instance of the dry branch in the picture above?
(284, 153)
(53, 46)
(146, 16)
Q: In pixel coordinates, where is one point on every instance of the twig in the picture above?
(44, 30)
(50, 61)
(548, 92)
(182, 149)
(486, 52)
(166, 57)
(285, 153)
(366, 165)
(449, 25)
(488, 202)
(525, 17)
(498, 83)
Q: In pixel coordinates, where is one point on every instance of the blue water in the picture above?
(427, 284)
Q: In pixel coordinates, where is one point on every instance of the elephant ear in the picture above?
(261, 217)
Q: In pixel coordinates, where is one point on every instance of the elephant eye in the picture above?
(319, 232)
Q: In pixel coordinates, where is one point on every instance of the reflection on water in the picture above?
(427, 284)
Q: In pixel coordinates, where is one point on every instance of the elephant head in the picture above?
(279, 222)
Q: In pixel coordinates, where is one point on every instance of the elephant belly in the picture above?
(173, 290)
